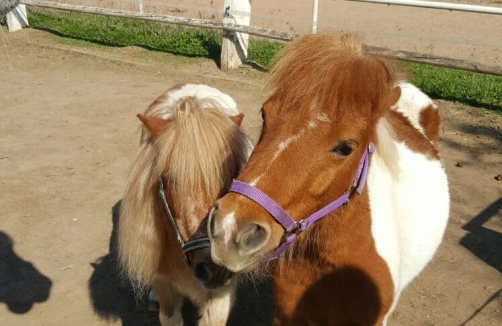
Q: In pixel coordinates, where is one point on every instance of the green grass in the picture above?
(471, 88)
(263, 52)
(465, 87)
(116, 31)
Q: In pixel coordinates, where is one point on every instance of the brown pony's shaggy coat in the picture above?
(330, 100)
(332, 274)
(338, 78)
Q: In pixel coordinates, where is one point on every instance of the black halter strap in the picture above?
(186, 246)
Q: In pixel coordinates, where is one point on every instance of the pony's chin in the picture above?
(246, 265)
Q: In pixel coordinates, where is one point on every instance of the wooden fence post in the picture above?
(17, 19)
(234, 47)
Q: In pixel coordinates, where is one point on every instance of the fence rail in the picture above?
(468, 65)
(202, 23)
(438, 5)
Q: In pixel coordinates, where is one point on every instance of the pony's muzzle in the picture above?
(232, 241)
(210, 275)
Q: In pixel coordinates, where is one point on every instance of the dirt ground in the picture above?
(68, 133)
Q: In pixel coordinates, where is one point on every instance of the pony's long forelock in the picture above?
(196, 145)
(331, 70)
(198, 153)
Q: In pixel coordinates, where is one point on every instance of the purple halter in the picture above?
(291, 227)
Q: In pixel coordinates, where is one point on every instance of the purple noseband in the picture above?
(291, 227)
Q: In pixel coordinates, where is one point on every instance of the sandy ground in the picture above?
(68, 133)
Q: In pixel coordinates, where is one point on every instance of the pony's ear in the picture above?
(395, 95)
(237, 119)
(153, 125)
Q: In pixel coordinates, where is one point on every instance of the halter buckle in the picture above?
(345, 204)
(296, 229)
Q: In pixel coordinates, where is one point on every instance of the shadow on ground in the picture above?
(21, 284)
(486, 244)
(483, 242)
(113, 298)
(491, 139)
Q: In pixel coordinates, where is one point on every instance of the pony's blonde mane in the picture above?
(198, 154)
(326, 71)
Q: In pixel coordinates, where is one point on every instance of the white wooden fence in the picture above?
(236, 28)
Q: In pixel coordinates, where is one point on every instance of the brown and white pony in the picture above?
(335, 116)
(191, 149)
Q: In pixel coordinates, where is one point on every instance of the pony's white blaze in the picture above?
(200, 91)
(411, 103)
(285, 143)
(323, 118)
(255, 181)
(409, 218)
(228, 225)
(311, 124)
(282, 146)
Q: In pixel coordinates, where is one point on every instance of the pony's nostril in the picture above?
(202, 272)
(253, 238)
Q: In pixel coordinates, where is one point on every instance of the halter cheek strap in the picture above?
(186, 246)
(291, 227)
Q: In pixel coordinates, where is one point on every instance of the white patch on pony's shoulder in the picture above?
(387, 147)
(228, 225)
(409, 212)
(200, 91)
(411, 103)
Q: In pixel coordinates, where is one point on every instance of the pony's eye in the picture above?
(263, 115)
(344, 149)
